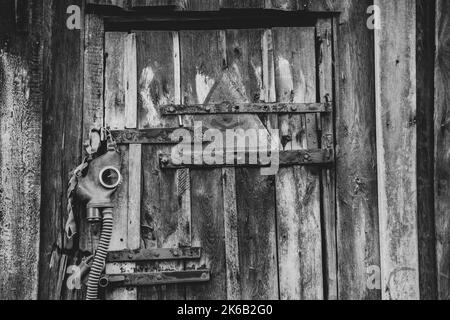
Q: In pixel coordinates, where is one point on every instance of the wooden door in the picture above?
(261, 236)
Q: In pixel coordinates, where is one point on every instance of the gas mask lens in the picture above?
(110, 177)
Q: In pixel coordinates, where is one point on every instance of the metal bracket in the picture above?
(247, 108)
(155, 278)
(148, 136)
(286, 158)
(155, 255)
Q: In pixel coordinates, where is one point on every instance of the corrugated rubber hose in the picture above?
(100, 255)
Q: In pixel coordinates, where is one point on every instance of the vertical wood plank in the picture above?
(442, 140)
(62, 126)
(357, 205)
(395, 69)
(231, 235)
(120, 100)
(115, 119)
(324, 36)
(94, 68)
(93, 106)
(166, 208)
(201, 72)
(297, 188)
(255, 193)
(426, 41)
(21, 101)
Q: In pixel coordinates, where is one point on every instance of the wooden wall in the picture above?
(21, 96)
(392, 202)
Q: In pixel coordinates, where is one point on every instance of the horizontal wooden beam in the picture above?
(155, 255)
(247, 108)
(286, 159)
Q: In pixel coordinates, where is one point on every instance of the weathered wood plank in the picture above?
(442, 143)
(425, 57)
(21, 101)
(231, 235)
(166, 196)
(395, 70)
(324, 36)
(201, 74)
(93, 106)
(61, 127)
(256, 218)
(357, 206)
(119, 52)
(298, 189)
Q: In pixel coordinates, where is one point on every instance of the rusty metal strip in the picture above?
(149, 136)
(155, 278)
(286, 158)
(155, 255)
(246, 108)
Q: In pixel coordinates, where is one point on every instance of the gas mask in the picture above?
(97, 186)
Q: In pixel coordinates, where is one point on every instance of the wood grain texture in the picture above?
(287, 5)
(239, 4)
(93, 107)
(357, 205)
(116, 3)
(119, 74)
(202, 74)
(153, 3)
(297, 189)
(256, 218)
(395, 78)
(21, 101)
(166, 211)
(199, 5)
(442, 141)
(325, 44)
(62, 126)
(425, 57)
(231, 227)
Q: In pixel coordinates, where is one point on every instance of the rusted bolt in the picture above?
(130, 256)
(204, 276)
(171, 110)
(208, 109)
(294, 108)
(176, 253)
(165, 161)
